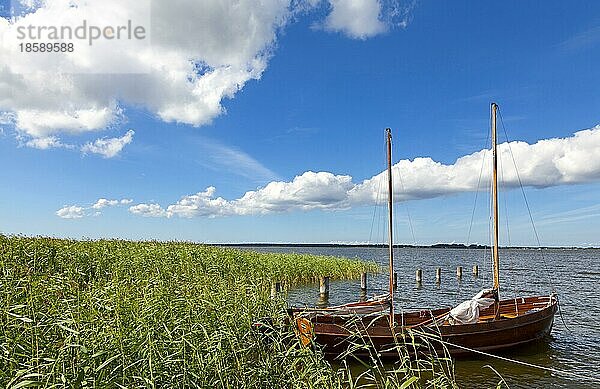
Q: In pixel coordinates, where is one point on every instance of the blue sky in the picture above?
(312, 92)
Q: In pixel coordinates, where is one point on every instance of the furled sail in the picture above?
(467, 312)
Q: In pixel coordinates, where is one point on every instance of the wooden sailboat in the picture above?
(493, 324)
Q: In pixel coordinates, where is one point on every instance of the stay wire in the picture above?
(503, 187)
(490, 227)
(395, 173)
(382, 227)
(511, 264)
(375, 209)
(486, 145)
(383, 183)
(477, 191)
(527, 204)
(410, 224)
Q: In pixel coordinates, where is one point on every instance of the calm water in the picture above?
(573, 274)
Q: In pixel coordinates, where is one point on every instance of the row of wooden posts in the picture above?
(324, 282)
(438, 274)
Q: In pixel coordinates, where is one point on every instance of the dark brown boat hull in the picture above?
(522, 321)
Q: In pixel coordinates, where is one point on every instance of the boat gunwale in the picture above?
(453, 341)
(501, 324)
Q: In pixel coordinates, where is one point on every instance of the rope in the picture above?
(516, 361)
(561, 315)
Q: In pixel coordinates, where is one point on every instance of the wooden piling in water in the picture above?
(419, 276)
(363, 287)
(323, 292)
(459, 272)
(438, 275)
(324, 286)
(475, 270)
(395, 280)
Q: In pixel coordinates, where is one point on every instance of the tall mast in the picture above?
(495, 201)
(390, 220)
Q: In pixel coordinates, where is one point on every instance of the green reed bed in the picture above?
(114, 313)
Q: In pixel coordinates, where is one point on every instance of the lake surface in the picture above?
(573, 273)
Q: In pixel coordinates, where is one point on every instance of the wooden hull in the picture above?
(521, 321)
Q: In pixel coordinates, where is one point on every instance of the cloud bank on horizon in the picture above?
(78, 212)
(546, 163)
(178, 78)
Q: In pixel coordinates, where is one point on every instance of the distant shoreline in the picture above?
(364, 245)
(324, 245)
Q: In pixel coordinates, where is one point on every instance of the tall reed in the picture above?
(113, 313)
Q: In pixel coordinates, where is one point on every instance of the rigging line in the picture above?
(375, 208)
(491, 235)
(395, 219)
(395, 195)
(516, 361)
(487, 270)
(383, 215)
(378, 235)
(373, 216)
(511, 262)
(490, 227)
(503, 187)
(527, 203)
(477, 191)
(410, 225)
(490, 255)
(482, 280)
(485, 151)
(380, 180)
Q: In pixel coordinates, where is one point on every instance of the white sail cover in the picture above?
(467, 312)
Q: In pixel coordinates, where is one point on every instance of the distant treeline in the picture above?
(366, 245)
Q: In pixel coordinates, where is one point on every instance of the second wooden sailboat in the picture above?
(483, 323)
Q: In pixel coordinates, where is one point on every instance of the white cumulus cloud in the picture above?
(196, 55)
(77, 211)
(71, 212)
(108, 147)
(200, 204)
(549, 162)
(44, 143)
(148, 210)
(308, 191)
(356, 18)
(102, 203)
(43, 123)
(362, 19)
(200, 53)
(322, 190)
